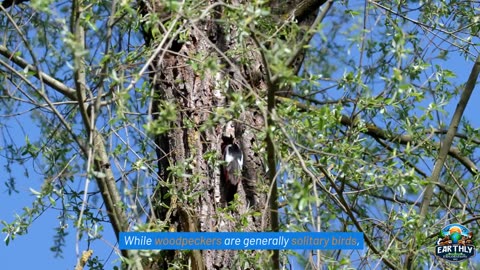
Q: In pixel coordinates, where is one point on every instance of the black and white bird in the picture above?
(231, 171)
(233, 157)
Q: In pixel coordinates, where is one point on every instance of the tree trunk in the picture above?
(190, 194)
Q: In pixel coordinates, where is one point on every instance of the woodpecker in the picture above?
(234, 159)
(231, 171)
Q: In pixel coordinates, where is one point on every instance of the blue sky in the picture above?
(32, 250)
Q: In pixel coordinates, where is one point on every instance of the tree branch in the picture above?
(379, 133)
(309, 34)
(445, 149)
(50, 81)
(357, 224)
(447, 142)
(305, 8)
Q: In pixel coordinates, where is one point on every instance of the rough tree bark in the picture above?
(190, 200)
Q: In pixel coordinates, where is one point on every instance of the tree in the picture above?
(198, 96)
(345, 134)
